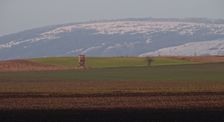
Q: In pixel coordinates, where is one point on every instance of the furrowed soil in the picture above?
(112, 100)
(36, 107)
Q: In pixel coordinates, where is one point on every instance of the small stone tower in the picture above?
(82, 61)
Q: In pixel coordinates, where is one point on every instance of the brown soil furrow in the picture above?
(114, 94)
(152, 102)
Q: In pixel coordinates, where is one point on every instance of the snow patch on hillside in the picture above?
(145, 27)
(91, 49)
(215, 47)
(32, 40)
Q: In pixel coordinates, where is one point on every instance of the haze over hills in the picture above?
(128, 37)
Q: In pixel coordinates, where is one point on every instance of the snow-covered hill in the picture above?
(204, 48)
(130, 37)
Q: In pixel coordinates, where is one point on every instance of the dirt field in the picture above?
(112, 107)
(194, 100)
(25, 65)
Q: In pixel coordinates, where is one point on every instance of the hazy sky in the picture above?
(17, 15)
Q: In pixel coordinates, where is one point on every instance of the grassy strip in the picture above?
(105, 62)
(178, 78)
(193, 72)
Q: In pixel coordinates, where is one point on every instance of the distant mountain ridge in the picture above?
(127, 37)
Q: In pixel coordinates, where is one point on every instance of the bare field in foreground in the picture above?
(45, 101)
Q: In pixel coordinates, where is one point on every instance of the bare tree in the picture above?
(149, 61)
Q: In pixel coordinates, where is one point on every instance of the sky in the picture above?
(19, 15)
